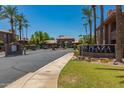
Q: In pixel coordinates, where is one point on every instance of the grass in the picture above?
(77, 74)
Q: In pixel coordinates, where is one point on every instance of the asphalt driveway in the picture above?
(13, 68)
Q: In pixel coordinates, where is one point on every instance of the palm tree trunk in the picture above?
(12, 29)
(102, 20)
(94, 13)
(11, 22)
(86, 29)
(119, 33)
(26, 33)
(20, 33)
(90, 26)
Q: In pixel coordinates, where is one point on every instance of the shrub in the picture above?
(105, 60)
(76, 52)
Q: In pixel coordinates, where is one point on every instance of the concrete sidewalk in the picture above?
(46, 77)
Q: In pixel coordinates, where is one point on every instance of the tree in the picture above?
(9, 13)
(46, 36)
(32, 40)
(20, 19)
(52, 38)
(17, 37)
(15, 25)
(87, 14)
(85, 39)
(26, 25)
(94, 14)
(85, 26)
(39, 37)
(102, 21)
(119, 34)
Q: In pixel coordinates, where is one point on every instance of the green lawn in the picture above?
(78, 74)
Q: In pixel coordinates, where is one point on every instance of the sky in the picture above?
(55, 19)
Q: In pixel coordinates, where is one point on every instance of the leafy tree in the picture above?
(46, 36)
(85, 39)
(39, 37)
(52, 38)
(17, 37)
(32, 40)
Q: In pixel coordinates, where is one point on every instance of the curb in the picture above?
(45, 77)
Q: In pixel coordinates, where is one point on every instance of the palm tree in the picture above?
(102, 20)
(9, 12)
(87, 12)
(85, 26)
(15, 25)
(26, 25)
(94, 13)
(20, 19)
(119, 33)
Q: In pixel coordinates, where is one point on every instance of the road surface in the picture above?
(13, 68)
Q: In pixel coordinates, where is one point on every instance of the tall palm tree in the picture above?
(26, 25)
(102, 20)
(15, 25)
(9, 12)
(85, 26)
(20, 19)
(87, 14)
(119, 34)
(94, 14)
